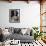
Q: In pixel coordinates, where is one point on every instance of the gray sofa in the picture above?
(17, 35)
(22, 38)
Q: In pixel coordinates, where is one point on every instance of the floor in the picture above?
(35, 43)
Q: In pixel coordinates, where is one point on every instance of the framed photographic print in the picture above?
(14, 15)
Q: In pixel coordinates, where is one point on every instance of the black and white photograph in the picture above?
(14, 15)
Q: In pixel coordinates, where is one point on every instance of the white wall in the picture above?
(29, 14)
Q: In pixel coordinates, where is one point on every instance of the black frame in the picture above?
(14, 15)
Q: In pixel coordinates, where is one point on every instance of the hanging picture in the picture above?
(14, 15)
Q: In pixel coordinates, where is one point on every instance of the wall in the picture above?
(29, 14)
